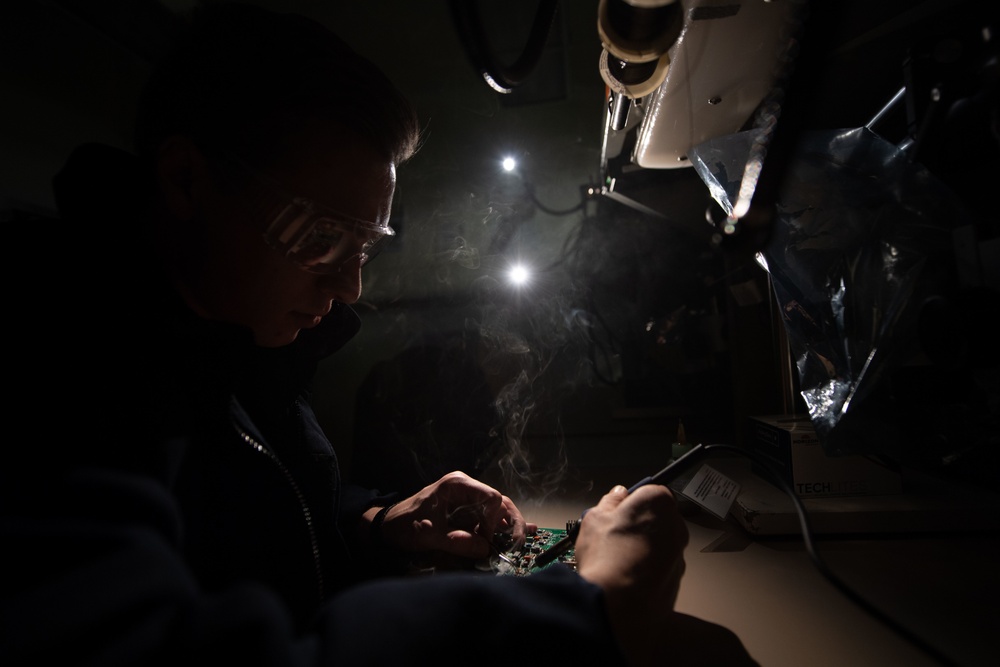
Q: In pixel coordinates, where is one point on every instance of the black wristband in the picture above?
(375, 535)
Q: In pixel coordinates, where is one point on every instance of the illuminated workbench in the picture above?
(944, 586)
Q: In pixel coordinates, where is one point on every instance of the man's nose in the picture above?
(343, 285)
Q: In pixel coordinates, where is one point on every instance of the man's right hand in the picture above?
(632, 546)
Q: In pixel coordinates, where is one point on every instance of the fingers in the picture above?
(465, 544)
(644, 522)
(464, 514)
(655, 507)
(649, 498)
(460, 515)
(613, 498)
(650, 501)
(512, 518)
(495, 512)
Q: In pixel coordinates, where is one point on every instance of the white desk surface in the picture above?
(944, 587)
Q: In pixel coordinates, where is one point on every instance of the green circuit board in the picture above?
(519, 562)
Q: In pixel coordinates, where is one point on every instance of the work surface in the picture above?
(942, 586)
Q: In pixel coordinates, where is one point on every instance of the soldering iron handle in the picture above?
(642, 482)
(675, 468)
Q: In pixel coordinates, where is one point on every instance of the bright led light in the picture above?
(509, 163)
(518, 275)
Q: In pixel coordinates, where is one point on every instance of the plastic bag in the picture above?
(861, 236)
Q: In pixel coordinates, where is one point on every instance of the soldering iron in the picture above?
(664, 477)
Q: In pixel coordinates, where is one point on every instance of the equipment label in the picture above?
(712, 490)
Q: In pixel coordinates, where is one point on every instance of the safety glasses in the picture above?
(317, 238)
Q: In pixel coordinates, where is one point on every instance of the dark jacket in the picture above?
(176, 499)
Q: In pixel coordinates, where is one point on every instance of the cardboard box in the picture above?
(790, 445)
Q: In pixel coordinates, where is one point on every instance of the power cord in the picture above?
(820, 564)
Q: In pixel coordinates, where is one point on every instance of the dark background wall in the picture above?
(631, 325)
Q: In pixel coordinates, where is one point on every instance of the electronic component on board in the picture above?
(520, 562)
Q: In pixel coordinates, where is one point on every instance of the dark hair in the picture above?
(242, 78)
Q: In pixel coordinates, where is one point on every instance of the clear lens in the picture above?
(321, 241)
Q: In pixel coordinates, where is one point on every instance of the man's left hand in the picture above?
(457, 514)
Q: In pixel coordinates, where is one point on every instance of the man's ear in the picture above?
(181, 173)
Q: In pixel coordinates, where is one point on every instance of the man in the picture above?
(179, 501)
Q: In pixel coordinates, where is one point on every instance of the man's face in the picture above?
(242, 280)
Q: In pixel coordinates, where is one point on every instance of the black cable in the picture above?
(696, 455)
(821, 565)
(551, 211)
(470, 30)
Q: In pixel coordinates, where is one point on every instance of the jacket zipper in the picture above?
(306, 512)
